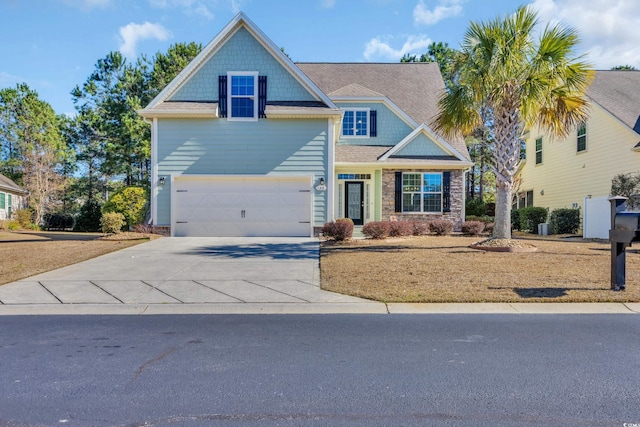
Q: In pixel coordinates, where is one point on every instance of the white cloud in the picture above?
(422, 15)
(327, 4)
(132, 33)
(608, 29)
(380, 49)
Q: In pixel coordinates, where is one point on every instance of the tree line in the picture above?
(71, 165)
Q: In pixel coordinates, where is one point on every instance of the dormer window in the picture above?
(355, 123)
(242, 97)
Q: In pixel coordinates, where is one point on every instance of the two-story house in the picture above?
(247, 143)
(563, 173)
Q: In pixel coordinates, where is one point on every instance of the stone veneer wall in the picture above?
(456, 196)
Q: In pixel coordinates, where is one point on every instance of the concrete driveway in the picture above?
(193, 275)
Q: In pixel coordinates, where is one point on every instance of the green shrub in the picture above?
(89, 217)
(130, 202)
(472, 228)
(441, 227)
(9, 224)
(420, 228)
(400, 228)
(565, 221)
(515, 219)
(532, 216)
(376, 229)
(341, 229)
(475, 207)
(112, 222)
(24, 217)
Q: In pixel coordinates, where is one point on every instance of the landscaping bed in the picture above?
(26, 253)
(446, 269)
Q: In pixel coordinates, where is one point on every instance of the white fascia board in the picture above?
(286, 62)
(196, 62)
(423, 128)
(393, 107)
(400, 165)
(214, 45)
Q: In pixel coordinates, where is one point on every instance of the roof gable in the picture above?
(198, 80)
(423, 143)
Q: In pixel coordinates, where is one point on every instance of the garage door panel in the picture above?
(242, 206)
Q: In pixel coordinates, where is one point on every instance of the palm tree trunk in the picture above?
(502, 223)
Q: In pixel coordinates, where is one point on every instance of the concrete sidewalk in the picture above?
(220, 275)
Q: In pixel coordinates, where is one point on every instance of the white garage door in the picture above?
(241, 206)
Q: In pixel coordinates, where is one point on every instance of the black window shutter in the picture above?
(446, 192)
(373, 123)
(222, 96)
(262, 95)
(398, 204)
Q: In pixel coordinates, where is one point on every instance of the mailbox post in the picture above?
(624, 230)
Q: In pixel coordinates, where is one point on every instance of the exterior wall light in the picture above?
(162, 180)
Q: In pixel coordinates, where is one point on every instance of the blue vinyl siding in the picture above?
(422, 146)
(391, 129)
(242, 52)
(265, 147)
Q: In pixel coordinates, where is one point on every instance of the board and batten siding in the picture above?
(566, 176)
(221, 147)
(391, 129)
(242, 52)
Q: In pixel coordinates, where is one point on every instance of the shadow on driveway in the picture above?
(279, 251)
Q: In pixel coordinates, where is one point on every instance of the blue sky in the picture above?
(53, 45)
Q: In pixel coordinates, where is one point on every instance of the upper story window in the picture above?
(242, 96)
(582, 137)
(538, 151)
(422, 192)
(355, 123)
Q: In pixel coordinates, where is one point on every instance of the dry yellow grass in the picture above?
(24, 254)
(445, 269)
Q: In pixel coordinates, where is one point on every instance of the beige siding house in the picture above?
(12, 197)
(563, 173)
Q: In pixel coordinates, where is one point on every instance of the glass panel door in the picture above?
(354, 202)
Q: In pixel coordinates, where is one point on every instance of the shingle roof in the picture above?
(360, 153)
(7, 184)
(415, 87)
(619, 93)
(372, 153)
(182, 109)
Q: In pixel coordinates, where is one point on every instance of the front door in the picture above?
(354, 202)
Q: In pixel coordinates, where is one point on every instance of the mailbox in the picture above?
(625, 229)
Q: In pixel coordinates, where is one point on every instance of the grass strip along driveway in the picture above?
(445, 269)
(27, 253)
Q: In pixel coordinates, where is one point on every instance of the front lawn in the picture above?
(26, 253)
(445, 269)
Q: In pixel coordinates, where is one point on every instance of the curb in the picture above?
(318, 308)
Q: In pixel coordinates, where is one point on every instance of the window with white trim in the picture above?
(242, 99)
(581, 135)
(355, 123)
(538, 151)
(422, 192)
(2, 201)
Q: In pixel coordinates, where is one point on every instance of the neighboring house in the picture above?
(12, 197)
(563, 173)
(246, 143)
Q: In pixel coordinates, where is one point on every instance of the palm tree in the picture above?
(524, 83)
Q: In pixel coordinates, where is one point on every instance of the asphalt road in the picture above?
(289, 370)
